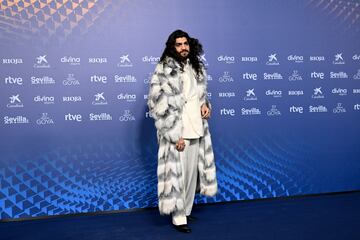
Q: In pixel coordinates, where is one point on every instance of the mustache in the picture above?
(184, 51)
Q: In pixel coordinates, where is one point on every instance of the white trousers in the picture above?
(189, 161)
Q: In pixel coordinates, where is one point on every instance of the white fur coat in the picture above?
(165, 102)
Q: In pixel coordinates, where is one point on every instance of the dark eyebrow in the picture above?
(182, 43)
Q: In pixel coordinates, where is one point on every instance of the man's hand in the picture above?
(205, 111)
(180, 145)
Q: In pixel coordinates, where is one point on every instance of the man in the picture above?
(178, 103)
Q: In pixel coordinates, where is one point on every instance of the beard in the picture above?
(182, 58)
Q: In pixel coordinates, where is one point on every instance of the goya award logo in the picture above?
(225, 78)
(44, 120)
(295, 76)
(273, 111)
(147, 79)
(339, 109)
(71, 80)
(357, 75)
(127, 117)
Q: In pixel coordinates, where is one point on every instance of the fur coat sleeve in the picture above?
(166, 101)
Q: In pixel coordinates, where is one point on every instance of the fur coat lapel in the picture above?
(165, 102)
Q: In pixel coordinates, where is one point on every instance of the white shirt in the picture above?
(191, 115)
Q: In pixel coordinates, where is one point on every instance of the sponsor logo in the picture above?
(295, 58)
(357, 75)
(295, 76)
(99, 99)
(204, 61)
(272, 60)
(73, 117)
(73, 61)
(226, 78)
(317, 58)
(127, 117)
(209, 95)
(46, 80)
(356, 57)
(317, 75)
(15, 120)
(151, 59)
(125, 61)
(148, 78)
(250, 95)
(148, 114)
(146, 96)
(13, 61)
(15, 102)
(226, 94)
(44, 120)
(125, 79)
(274, 93)
(41, 62)
(128, 97)
(296, 92)
(338, 75)
(227, 112)
(317, 109)
(273, 111)
(226, 59)
(249, 76)
(98, 79)
(71, 80)
(209, 77)
(97, 60)
(317, 93)
(295, 109)
(72, 99)
(339, 108)
(249, 59)
(273, 76)
(338, 59)
(356, 90)
(250, 111)
(357, 107)
(14, 80)
(44, 99)
(100, 117)
(339, 91)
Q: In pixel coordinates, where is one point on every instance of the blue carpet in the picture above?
(313, 217)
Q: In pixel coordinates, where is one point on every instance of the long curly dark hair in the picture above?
(194, 54)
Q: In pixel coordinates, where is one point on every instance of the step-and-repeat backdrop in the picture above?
(76, 136)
